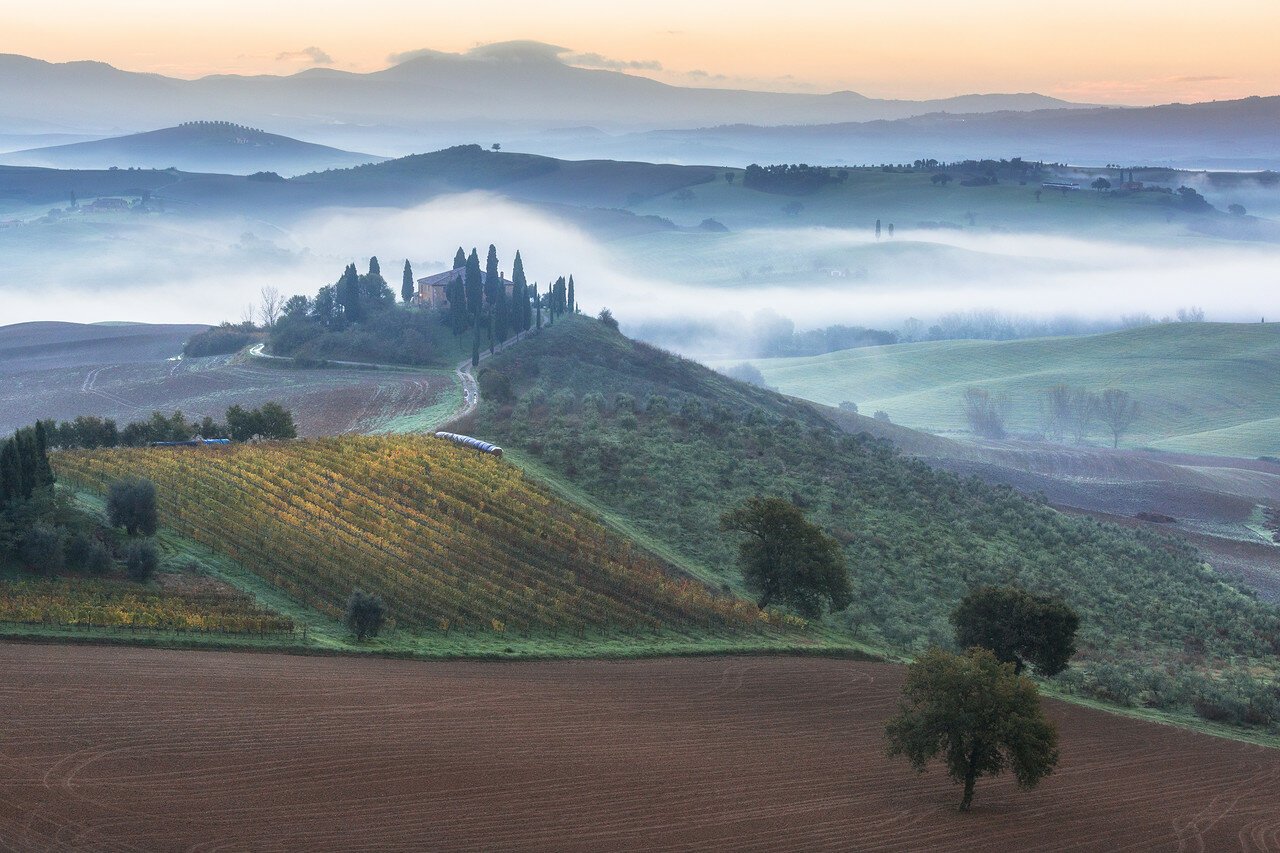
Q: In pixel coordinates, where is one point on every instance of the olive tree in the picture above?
(1019, 627)
(131, 504)
(786, 559)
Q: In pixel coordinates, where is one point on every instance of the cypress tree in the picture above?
(460, 259)
(406, 286)
(474, 285)
(374, 267)
(348, 293)
(551, 308)
(475, 345)
(520, 293)
(492, 279)
(573, 304)
(537, 299)
(501, 314)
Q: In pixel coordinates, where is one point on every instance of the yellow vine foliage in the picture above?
(448, 537)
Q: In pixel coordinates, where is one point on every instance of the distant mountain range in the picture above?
(1241, 134)
(202, 146)
(515, 86)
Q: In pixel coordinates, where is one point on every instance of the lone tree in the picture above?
(131, 504)
(976, 714)
(1118, 411)
(1018, 627)
(365, 614)
(788, 560)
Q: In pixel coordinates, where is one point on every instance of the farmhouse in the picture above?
(431, 289)
(109, 204)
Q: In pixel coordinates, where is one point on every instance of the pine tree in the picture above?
(474, 286)
(460, 259)
(573, 304)
(406, 286)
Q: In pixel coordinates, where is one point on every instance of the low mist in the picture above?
(175, 270)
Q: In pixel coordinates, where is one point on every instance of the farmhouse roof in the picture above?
(441, 279)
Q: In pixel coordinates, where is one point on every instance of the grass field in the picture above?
(1203, 387)
(271, 752)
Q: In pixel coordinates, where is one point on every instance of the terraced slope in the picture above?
(448, 537)
(1204, 387)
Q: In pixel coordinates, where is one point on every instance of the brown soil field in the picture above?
(132, 749)
(60, 370)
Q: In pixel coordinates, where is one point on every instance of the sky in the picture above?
(1118, 51)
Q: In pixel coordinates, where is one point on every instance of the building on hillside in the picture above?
(431, 289)
(109, 204)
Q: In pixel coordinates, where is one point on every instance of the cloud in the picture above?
(408, 55)
(596, 60)
(1206, 79)
(312, 55)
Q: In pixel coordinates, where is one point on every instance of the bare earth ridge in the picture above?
(126, 748)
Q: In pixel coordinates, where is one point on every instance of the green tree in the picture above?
(348, 295)
(459, 259)
(572, 300)
(520, 292)
(473, 285)
(1019, 627)
(141, 561)
(406, 283)
(365, 614)
(275, 422)
(606, 316)
(131, 504)
(978, 715)
(492, 278)
(786, 559)
(42, 550)
(375, 268)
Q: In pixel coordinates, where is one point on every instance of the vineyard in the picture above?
(88, 603)
(450, 539)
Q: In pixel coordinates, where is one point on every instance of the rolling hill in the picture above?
(1238, 134)
(661, 446)
(1203, 387)
(197, 146)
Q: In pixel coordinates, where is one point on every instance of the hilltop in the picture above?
(1204, 387)
(197, 146)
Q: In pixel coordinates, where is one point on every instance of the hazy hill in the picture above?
(1204, 387)
(661, 446)
(1239, 134)
(201, 146)
(509, 86)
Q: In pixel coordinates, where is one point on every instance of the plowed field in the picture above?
(118, 748)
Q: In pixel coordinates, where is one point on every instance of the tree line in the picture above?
(270, 421)
(1065, 411)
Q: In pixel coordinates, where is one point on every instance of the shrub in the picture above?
(365, 614)
(495, 386)
(219, 340)
(42, 551)
(141, 560)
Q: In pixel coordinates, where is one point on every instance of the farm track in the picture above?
(128, 749)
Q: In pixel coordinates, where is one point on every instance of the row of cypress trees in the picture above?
(24, 465)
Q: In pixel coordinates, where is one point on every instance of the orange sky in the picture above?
(1123, 51)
